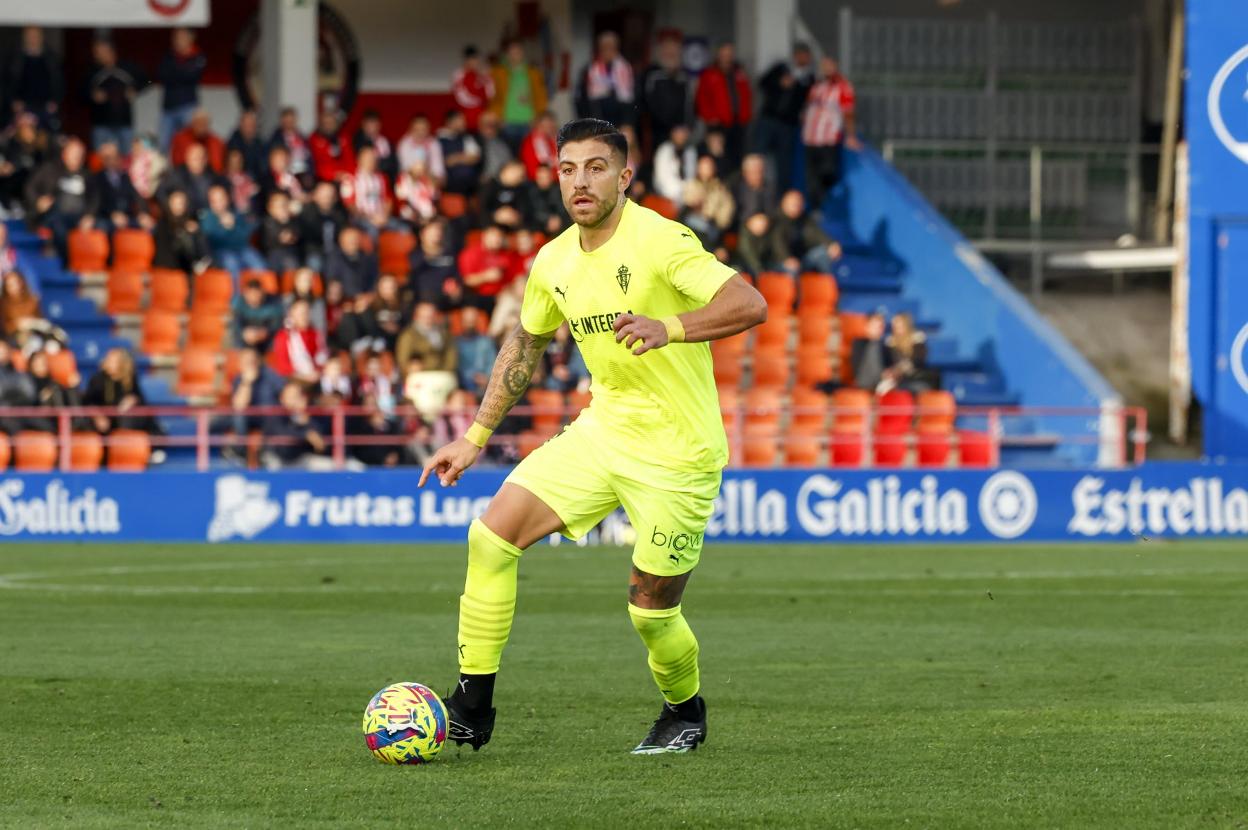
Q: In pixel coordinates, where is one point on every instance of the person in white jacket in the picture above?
(675, 164)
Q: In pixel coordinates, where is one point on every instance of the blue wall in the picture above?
(1216, 127)
(992, 322)
(1155, 500)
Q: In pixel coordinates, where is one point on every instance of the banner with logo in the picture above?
(1154, 501)
(1216, 127)
(107, 13)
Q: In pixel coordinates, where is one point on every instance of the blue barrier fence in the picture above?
(1155, 501)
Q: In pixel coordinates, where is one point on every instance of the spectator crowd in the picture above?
(473, 196)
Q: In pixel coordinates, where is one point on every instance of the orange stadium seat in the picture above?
(774, 332)
(932, 449)
(895, 412)
(779, 290)
(86, 452)
(814, 365)
(759, 447)
(205, 331)
(771, 368)
(728, 370)
(212, 291)
(814, 330)
(937, 410)
(452, 205)
(63, 367)
(851, 410)
(762, 407)
(801, 449)
(530, 440)
(664, 207)
(129, 450)
(730, 346)
(547, 409)
(810, 408)
(161, 332)
(393, 250)
(578, 401)
(197, 372)
(817, 294)
(133, 249)
(170, 290)
(125, 292)
(975, 449)
(729, 408)
(266, 278)
(34, 452)
(853, 327)
(6, 451)
(88, 250)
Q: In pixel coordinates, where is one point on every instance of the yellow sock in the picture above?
(489, 600)
(673, 650)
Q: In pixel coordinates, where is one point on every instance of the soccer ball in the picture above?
(405, 723)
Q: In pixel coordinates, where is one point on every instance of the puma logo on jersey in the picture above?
(559, 291)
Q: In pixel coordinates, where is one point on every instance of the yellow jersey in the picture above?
(660, 408)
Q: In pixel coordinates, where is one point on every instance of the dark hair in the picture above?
(470, 51)
(586, 129)
(370, 114)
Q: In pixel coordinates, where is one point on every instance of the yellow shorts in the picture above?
(583, 481)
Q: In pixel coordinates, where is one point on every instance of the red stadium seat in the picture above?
(894, 412)
(932, 449)
(664, 207)
(889, 450)
(847, 449)
(393, 250)
(975, 449)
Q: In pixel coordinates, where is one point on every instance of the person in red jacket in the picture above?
(198, 131)
(472, 87)
(724, 100)
(486, 267)
(538, 148)
(332, 156)
(298, 350)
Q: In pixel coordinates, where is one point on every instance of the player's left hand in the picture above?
(646, 332)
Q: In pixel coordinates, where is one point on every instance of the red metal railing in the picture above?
(1121, 434)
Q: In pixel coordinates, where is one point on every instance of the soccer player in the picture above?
(642, 298)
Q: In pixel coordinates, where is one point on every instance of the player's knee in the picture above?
(650, 622)
(487, 549)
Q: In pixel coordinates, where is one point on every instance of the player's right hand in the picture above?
(449, 463)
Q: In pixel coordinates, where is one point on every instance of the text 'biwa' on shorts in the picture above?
(583, 481)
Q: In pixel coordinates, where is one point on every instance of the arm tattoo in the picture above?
(513, 369)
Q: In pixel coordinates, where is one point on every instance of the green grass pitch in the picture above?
(1025, 686)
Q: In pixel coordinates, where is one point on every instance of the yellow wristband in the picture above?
(478, 435)
(675, 331)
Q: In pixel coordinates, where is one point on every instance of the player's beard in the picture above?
(604, 208)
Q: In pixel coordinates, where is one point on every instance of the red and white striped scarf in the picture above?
(605, 81)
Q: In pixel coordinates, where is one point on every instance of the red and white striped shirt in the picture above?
(826, 106)
(367, 193)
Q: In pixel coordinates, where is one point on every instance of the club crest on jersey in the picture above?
(622, 277)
